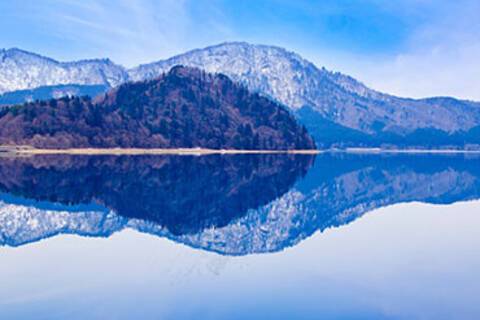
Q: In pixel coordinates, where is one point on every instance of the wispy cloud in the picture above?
(406, 47)
(127, 31)
(439, 56)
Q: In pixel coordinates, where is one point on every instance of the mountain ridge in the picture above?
(333, 97)
(296, 82)
(21, 70)
(184, 108)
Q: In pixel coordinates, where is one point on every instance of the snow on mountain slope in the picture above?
(24, 70)
(297, 83)
(275, 72)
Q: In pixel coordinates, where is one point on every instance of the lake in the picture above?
(331, 236)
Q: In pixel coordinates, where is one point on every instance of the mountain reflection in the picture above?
(185, 194)
(233, 205)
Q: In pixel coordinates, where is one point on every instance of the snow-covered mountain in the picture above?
(20, 70)
(336, 109)
(298, 83)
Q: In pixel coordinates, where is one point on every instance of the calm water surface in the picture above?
(335, 236)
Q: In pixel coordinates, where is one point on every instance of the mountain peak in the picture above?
(276, 73)
(14, 52)
(183, 71)
(17, 52)
(185, 108)
(245, 45)
(297, 83)
(22, 70)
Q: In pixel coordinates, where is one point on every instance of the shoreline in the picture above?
(26, 150)
(409, 151)
(19, 150)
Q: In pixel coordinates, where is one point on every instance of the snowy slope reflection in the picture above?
(233, 205)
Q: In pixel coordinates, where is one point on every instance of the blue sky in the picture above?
(409, 47)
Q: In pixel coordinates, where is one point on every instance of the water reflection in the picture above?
(234, 205)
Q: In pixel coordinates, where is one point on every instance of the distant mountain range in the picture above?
(184, 108)
(51, 92)
(21, 70)
(337, 109)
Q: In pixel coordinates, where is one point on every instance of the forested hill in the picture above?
(184, 108)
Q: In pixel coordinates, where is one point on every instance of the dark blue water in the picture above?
(336, 236)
